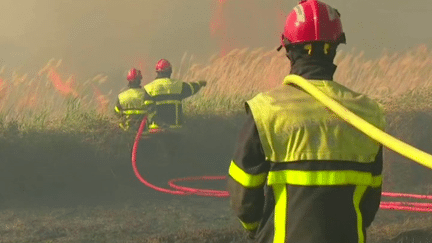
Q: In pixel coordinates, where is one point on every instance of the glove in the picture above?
(202, 83)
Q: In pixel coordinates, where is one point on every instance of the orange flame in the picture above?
(221, 21)
(218, 27)
(63, 87)
(217, 23)
(101, 99)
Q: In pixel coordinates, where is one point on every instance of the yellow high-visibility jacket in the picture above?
(132, 106)
(168, 94)
(302, 174)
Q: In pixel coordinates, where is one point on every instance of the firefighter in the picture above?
(134, 103)
(168, 93)
(299, 172)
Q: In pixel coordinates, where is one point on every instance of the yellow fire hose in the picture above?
(385, 139)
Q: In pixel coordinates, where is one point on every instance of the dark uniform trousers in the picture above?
(318, 214)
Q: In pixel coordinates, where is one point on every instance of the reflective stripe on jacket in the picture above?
(132, 106)
(294, 126)
(290, 140)
(168, 95)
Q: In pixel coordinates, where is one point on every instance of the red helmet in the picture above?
(133, 75)
(311, 21)
(163, 65)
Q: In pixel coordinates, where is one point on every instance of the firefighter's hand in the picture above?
(202, 83)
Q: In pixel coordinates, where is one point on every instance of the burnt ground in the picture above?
(56, 187)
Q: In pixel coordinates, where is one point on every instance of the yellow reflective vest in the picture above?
(168, 94)
(292, 139)
(132, 106)
(293, 127)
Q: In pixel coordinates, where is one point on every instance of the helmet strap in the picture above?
(308, 47)
(316, 50)
(326, 48)
(285, 43)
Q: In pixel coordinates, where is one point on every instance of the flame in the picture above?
(220, 21)
(218, 28)
(217, 22)
(101, 100)
(70, 81)
(65, 88)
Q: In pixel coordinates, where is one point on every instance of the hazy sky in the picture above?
(101, 36)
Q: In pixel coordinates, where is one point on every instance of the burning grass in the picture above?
(232, 79)
(53, 110)
(43, 100)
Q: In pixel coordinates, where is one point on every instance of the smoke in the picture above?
(110, 37)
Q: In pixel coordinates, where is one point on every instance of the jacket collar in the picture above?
(163, 75)
(313, 69)
(134, 86)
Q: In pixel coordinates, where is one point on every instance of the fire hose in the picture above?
(362, 125)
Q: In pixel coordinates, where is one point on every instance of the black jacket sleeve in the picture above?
(189, 89)
(247, 176)
(372, 198)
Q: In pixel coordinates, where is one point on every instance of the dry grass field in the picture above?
(66, 173)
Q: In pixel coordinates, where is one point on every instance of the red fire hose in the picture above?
(183, 190)
(180, 190)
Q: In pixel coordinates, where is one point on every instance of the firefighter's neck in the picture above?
(134, 85)
(310, 67)
(313, 69)
(163, 75)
